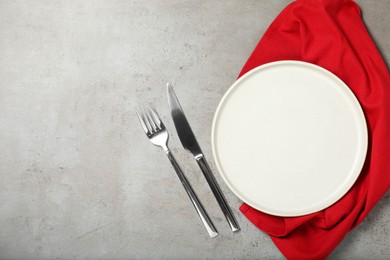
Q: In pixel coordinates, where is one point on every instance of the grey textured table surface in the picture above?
(78, 178)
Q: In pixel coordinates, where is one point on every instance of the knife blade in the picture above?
(183, 128)
(190, 143)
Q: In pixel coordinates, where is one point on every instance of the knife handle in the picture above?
(217, 192)
(194, 199)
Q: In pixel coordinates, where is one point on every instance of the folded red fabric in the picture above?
(331, 34)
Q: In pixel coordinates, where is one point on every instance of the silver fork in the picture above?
(158, 135)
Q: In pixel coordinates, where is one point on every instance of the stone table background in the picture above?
(78, 178)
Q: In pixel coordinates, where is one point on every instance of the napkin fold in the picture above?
(331, 34)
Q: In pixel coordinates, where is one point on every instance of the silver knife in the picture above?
(190, 143)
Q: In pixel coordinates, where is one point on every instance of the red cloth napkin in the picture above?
(331, 34)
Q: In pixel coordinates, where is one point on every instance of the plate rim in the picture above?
(363, 125)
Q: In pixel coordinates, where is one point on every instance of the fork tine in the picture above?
(150, 119)
(141, 119)
(156, 118)
(146, 120)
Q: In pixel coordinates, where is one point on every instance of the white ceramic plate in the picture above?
(289, 138)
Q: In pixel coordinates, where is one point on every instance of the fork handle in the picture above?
(217, 193)
(194, 199)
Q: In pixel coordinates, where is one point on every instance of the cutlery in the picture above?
(190, 143)
(158, 135)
